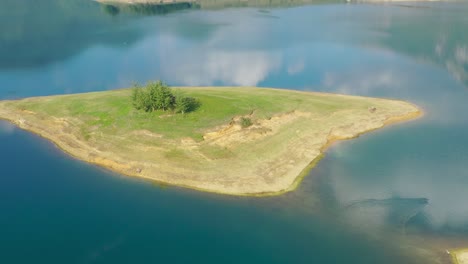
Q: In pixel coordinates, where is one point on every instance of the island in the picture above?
(238, 141)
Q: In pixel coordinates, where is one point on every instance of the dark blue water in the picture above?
(370, 200)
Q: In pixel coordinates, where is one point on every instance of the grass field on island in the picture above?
(113, 113)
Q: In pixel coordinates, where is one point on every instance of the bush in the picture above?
(245, 122)
(159, 96)
(155, 96)
(186, 104)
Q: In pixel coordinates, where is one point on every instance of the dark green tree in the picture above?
(140, 99)
(159, 96)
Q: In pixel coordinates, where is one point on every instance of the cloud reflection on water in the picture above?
(221, 57)
(361, 83)
(442, 182)
(240, 68)
(442, 185)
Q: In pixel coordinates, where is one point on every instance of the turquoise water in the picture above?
(396, 195)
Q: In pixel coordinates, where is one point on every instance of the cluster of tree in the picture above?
(158, 96)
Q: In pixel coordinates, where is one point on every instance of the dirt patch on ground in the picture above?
(234, 133)
(146, 133)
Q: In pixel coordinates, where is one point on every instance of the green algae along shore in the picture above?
(208, 149)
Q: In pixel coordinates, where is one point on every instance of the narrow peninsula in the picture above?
(239, 141)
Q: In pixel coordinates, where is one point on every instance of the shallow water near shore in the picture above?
(396, 195)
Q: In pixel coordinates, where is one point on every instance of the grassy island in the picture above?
(239, 141)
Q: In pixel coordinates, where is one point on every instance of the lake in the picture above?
(397, 195)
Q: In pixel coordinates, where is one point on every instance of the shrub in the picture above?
(140, 99)
(160, 96)
(245, 122)
(186, 104)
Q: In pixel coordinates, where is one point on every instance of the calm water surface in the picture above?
(393, 196)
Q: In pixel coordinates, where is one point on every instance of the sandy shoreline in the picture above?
(285, 180)
(333, 139)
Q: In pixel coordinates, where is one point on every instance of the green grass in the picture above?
(216, 152)
(112, 112)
